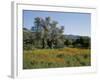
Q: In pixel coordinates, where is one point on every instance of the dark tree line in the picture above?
(81, 42)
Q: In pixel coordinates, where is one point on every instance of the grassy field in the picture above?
(51, 58)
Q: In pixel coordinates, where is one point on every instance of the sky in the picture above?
(74, 23)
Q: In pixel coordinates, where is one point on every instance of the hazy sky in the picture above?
(74, 23)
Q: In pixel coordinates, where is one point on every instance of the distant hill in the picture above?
(73, 37)
(70, 37)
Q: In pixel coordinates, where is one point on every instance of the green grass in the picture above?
(51, 58)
